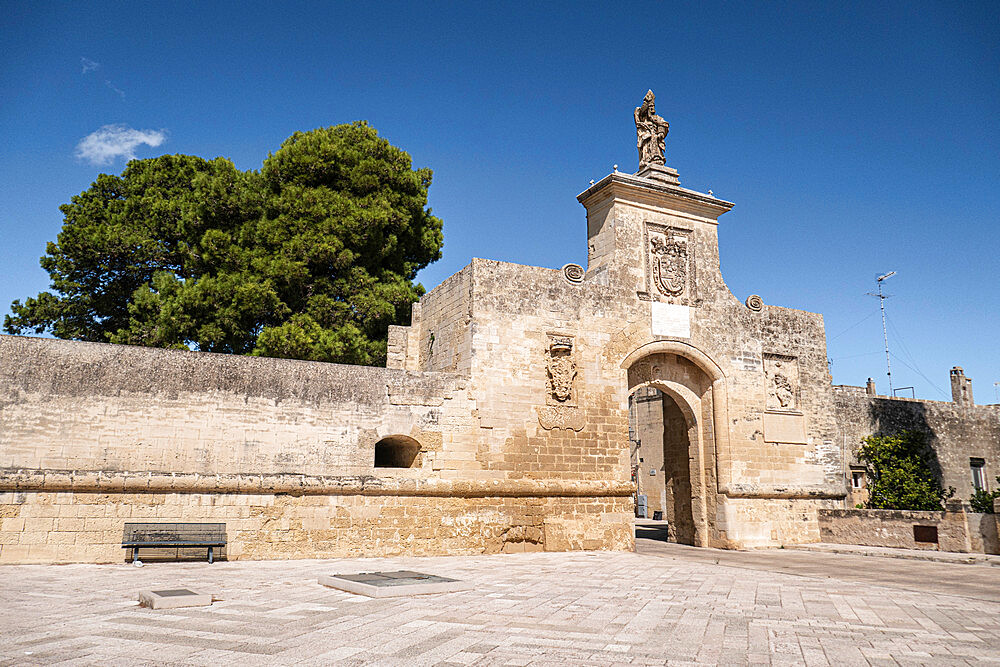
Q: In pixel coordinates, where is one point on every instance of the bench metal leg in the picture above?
(135, 555)
(210, 555)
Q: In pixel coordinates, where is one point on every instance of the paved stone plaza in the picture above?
(664, 604)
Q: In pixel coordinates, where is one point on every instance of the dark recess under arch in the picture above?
(396, 451)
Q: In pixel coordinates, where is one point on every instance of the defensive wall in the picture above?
(509, 391)
(283, 452)
(954, 530)
(501, 422)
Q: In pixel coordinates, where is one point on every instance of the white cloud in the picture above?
(88, 64)
(116, 141)
(115, 88)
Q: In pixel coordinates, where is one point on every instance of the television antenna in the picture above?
(885, 335)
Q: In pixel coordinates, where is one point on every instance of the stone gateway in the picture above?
(500, 424)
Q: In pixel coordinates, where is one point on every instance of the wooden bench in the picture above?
(149, 535)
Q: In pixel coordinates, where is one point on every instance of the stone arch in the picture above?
(680, 349)
(696, 385)
(396, 451)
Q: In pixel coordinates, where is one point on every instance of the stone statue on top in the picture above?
(651, 132)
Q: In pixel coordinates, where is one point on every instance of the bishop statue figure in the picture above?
(651, 132)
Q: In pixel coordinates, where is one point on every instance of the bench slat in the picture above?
(170, 535)
(170, 545)
(173, 532)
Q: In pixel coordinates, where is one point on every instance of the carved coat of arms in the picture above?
(670, 264)
(561, 369)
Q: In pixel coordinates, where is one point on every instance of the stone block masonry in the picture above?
(93, 436)
(44, 527)
(93, 407)
(500, 423)
(960, 433)
(509, 390)
(937, 531)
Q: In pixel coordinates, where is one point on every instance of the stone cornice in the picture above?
(618, 184)
(819, 492)
(61, 481)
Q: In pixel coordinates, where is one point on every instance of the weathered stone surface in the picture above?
(784, 427)
(112, 408)
(651, 130)
(512, 380)
(87, 527)
(955, 531)
(957, 431)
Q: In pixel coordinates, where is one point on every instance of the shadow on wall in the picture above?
(889, 417)
(987, 527)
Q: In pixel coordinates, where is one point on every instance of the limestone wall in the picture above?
(92, 436)
(87, 527)
(984, 532)
(956, 432)
(443, 332)
(956, 531)
(85, 406)
(513, 379)
(516, 312)
(519, 311)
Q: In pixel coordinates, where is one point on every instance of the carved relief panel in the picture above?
(781, 377)
(560, 409)
(782, 419)
(670, 265)
(560, 369)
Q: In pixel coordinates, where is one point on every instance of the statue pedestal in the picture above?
(658, 172)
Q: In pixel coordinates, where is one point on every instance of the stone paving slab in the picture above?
(583, 608)
(978, 581)
(393, 584)
(908, 554)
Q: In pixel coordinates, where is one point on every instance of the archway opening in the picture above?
(396, 451)
(661, 462)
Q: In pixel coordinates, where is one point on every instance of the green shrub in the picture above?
(901, 473)
(982, 500)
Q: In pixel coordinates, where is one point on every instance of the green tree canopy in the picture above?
(901, 473)
(313, 257)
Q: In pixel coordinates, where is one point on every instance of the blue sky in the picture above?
(854, 140)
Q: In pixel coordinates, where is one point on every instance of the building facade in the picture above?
(964, 437)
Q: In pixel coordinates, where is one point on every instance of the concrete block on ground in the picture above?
(393, 584)
(173, 598)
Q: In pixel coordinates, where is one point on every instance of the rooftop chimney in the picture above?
(961, 387)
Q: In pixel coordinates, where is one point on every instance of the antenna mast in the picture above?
(885, 335)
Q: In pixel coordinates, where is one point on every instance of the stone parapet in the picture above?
(297, 485)
(942, 531)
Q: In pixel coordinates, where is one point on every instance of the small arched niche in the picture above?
(396, 451)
